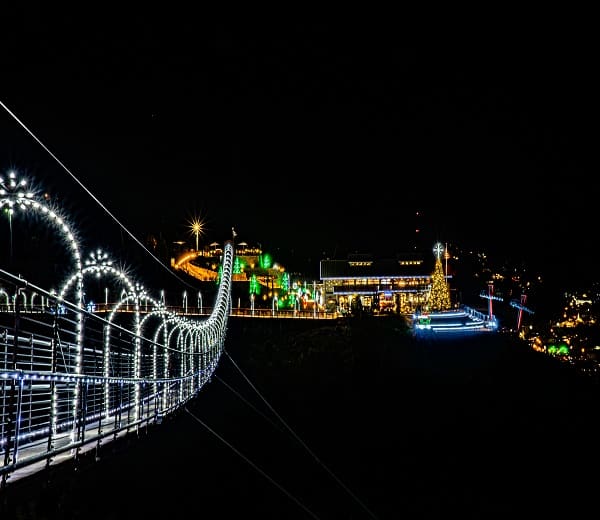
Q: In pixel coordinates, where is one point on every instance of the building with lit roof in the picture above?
(400, 285)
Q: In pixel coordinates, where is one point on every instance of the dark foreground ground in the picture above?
(352, 420)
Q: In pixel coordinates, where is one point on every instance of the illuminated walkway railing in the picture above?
(75, 375)
(456, 321)
(71, 379)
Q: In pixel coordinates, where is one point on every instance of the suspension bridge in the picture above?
(73, 378)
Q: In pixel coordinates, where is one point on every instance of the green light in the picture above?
(254, 287)
(285, 302)
(285, 282)
(265, 261)
(237, 265)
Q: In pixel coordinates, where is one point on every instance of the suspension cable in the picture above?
(276, 484)
(122, 226)
(370, 513)
(248, 403)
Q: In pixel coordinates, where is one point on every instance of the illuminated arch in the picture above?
(15, 196)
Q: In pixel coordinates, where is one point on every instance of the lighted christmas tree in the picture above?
(254, 285)
(285, 282)
(237, 265)
(439, 296)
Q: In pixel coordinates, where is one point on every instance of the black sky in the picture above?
(314, 138)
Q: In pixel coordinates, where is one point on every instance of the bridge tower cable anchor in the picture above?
(490, 296)
(521, 306)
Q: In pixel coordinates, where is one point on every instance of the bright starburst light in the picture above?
(197, 227)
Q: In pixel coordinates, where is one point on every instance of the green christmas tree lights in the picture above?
(254, 285)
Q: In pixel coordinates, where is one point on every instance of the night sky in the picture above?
(312, 139)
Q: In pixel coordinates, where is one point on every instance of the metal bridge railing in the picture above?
(72, 379)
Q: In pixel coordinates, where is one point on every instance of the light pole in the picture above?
(13, 191)
(197, 226)
(446, 256)
(185, 301)
(200, 301)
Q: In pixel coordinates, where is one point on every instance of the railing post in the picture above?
(53, 396)
(83, 409)
(80, 413)
(12, 437)
(118, 411)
